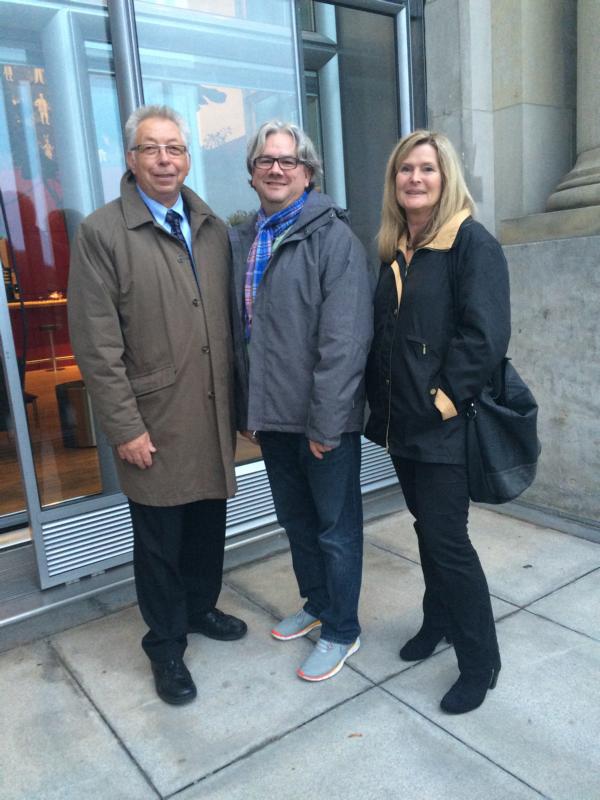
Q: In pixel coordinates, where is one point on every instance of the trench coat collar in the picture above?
(137, 213)
(445, 237)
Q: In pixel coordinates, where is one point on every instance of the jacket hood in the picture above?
(318, 210)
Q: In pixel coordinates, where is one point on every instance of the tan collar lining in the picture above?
(445, 236)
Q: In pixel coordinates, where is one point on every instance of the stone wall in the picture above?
(513, 83)
(555, 294)
(501, 78)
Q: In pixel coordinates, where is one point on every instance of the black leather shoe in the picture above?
(469, 691)
(423, 644)
(217, 625)
(173, 682)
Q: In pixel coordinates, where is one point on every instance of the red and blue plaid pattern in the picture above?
(267, 230)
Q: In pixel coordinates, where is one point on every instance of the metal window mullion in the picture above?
(128, 70)
(404, 72)
(19, 415)
(298, 46)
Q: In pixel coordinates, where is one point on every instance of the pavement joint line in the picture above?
(561, 624)
(392, 552)
(104, 719)
(268, 742)
(562, 586)
(254, 602)
(410, 666)
(465, 744)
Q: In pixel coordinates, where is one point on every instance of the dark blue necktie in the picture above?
(174, 221)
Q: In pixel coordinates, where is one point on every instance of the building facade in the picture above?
(71, 72)
(512, 82)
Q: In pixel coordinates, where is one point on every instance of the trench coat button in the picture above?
(211, 395)
(195, 302)
(387, 381)
(432, 391)
(395, 312)
(206, 349)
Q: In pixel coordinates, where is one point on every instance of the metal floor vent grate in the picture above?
(97, 540)
(87, 539)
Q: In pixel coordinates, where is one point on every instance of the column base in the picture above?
(566, 224)
(581, 186)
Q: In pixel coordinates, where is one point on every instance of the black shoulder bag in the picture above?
(501, 430)
(502, 443)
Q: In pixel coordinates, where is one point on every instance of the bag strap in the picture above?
(497, 379)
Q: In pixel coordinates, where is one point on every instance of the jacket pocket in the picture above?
(415, 381)
(153, 381)
(418, 347)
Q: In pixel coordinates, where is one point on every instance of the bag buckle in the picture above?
(471, 411)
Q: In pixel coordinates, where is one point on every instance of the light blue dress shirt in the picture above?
(159, 212)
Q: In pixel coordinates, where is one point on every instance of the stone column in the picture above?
(581, 186)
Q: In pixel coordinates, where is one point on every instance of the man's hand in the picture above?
(251, 436)
(317, 449)
(138, 451)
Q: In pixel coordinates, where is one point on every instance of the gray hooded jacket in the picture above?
(303, 370)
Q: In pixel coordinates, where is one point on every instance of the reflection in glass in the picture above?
(60, 153)
(12, 498)
(226, 74)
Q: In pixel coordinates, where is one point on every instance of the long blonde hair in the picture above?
(454, 197)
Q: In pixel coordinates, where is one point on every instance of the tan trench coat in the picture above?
(155, 353)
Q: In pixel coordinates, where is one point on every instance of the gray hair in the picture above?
(149, 112)
(305, 149)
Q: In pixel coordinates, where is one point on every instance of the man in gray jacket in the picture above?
(149, 319)
(304, 324)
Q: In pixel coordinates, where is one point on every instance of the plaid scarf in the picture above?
(268, 229)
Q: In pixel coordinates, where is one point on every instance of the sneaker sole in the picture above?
(314, 678)
(283, 638)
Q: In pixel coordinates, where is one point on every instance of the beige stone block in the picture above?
(534, 45)
(549, 37)
(443, 45)
(533, 145)
(507, 76)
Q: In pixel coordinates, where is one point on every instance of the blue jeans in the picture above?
(319, 504)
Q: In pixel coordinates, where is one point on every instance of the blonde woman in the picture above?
(442, 324)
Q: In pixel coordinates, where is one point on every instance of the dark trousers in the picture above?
(457, 598)
(319, 504)
(178, 568)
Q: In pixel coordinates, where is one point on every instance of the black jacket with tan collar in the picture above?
(442, 324)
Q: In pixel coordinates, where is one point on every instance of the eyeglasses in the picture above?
(152, 150)
(285, 163)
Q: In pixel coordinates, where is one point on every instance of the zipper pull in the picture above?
(424, 346)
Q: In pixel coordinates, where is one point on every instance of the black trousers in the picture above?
(178, 567)
(457, 598)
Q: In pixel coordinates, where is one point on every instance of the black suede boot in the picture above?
(423, 644)
(469, 691)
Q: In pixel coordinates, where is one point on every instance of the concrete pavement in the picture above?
(81, 720)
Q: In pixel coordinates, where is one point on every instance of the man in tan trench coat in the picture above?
(150, 327)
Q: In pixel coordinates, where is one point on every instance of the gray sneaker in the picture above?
(297, 625)
(326, 660)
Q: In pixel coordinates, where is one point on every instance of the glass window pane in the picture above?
(226, 67)
(60, 157)
(12, 497)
